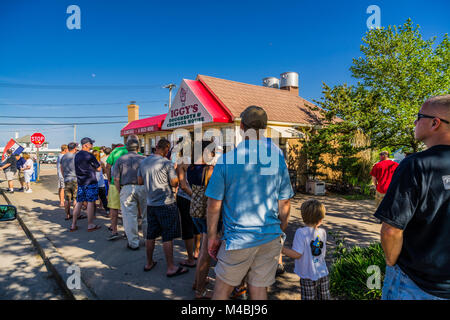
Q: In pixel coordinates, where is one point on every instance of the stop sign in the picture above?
(38, 139)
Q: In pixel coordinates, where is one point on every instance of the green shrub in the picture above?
(348, 276)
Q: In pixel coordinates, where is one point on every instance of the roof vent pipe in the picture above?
(271, 82)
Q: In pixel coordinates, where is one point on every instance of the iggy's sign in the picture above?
(188, 106)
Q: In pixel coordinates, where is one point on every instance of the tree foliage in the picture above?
(396, 72)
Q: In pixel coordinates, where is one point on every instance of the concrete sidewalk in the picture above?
(111, 271)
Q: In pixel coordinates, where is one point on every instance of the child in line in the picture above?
(308, 250)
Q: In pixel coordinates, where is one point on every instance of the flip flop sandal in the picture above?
(148, 269)
(203, 295)
(207, 281)
(94, 228)
(184, 264)
(179, 271)
(81, 217)
(68, 218)
(74, 229)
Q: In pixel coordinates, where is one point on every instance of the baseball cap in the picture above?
(87, 140)
(72, 145)
(254, 117)
(132, 144)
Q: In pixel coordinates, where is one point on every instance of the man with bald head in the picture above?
(415, 213)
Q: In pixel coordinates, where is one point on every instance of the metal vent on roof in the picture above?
(271, 82)
(289, 79)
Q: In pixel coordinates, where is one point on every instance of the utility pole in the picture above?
(74, 133)
(170, 86)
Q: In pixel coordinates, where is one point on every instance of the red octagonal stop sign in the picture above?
(38, 139)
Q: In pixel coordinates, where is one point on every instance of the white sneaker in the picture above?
(28, 191)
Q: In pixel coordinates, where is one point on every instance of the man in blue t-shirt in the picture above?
(250, 186)
(86, 165)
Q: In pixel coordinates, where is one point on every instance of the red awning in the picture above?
(142, 126)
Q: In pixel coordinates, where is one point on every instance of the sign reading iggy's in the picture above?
(190, 106)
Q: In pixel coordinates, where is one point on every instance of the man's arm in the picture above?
(213, 214)
(374, 181)
(6, 166)
(117, 183)
(392, 242)
(108, 171)
(284, 210)
(140, 181)
(182, 179)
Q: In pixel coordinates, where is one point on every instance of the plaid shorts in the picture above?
(163, 221)
(315, 290)
(87, 193)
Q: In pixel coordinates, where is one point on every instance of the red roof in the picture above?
(141, 126)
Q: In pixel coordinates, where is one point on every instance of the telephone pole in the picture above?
(170, 86)
(74, 133)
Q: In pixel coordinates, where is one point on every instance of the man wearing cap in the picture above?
(60, 177)
(132, 195)
(113, 193)
(254, 199)
(67, 168)
(381, 174)
(85, 167)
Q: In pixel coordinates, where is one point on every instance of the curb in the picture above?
(54, 262)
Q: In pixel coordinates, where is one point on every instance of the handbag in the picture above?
(198, 199)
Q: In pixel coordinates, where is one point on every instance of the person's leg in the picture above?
(222, 290)
(11, 185)
(257, 293)
(76, 213)
(168, 253)
(149, 248)
(187, 232)
(114, 205)
(129, 215)
(197, 242)
(203, 263)
(141, 195)
(90, 214)
(61, 192)
(103, 199)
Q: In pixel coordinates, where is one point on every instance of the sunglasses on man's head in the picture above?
(420, 116)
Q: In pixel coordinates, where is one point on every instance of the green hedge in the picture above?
(348, 276)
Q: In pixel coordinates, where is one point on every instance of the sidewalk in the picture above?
(111, 271)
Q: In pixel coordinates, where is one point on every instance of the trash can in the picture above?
(34, 175)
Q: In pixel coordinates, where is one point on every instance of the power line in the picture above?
(58, 124)
(78, 87)
(76, 104)
(70, 117)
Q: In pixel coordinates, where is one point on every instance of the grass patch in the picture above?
(354, 197)
(349, 273)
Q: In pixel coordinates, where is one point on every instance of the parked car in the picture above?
(50, 159)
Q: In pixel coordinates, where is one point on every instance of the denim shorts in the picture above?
(87, 193)
(202, 226)
(398, 286)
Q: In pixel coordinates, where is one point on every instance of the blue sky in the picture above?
(154, 43)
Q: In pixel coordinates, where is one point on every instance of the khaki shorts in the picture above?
(70, 190)
(378, 198)
(113, 197)
(60, 182)
(9, 175)
(258, 263)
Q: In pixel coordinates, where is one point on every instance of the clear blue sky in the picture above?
(154, 43)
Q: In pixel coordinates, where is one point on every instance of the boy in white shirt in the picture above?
(308, 250)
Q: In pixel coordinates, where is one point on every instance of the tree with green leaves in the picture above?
(397, 72)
